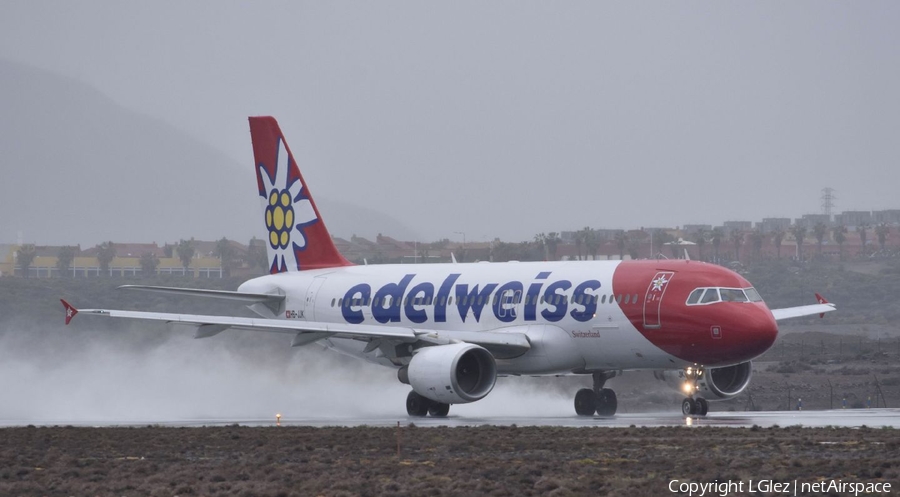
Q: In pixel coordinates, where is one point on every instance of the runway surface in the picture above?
(849, 418)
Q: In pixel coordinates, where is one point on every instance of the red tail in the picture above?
(297, 238)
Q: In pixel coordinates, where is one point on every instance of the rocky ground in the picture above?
(288, 461)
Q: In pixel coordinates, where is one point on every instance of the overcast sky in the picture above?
(511, 118)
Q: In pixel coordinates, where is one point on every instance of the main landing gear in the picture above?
(600, 400)
(691, 406)
(420, 406)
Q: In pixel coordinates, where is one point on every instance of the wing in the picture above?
(504, 345)
(804, 310)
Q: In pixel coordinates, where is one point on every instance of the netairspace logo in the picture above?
(726, 488)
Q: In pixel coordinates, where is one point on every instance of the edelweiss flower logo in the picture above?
(659, 283)
(287, 211)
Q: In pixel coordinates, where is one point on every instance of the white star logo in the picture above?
(68, 313)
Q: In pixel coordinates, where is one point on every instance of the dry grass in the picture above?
(299, 461)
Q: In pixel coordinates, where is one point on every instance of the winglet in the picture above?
(70, 310)
(820, 299)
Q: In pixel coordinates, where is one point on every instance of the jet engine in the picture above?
(711, 384)
(451, 374)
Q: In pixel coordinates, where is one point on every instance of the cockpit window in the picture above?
(732, 295)
(752, 294)
(711, 295)
(695, 296)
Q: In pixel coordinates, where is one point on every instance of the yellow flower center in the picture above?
(280, 218)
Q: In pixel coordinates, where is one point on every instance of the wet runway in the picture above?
(849, 418)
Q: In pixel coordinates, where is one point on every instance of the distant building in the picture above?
(730, 226)
(853, 218)
(810, 220)
(770, 224)
(690, 229)
(891, 216)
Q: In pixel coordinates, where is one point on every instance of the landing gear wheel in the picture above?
(585, 402)
(688, 406)
(702, 406)
(439, 409)
(607, 402)
(416, 405)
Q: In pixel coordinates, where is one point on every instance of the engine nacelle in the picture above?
(452, 374)
(711, 384)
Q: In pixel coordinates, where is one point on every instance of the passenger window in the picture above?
(695, 296)
(711, 295)
(332, 302)
(619, 298)
(627, 298)
(603, 299)
(449, 301)
(340, 302)
(443, 300)
(634, 299)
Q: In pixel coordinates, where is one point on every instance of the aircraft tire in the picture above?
(585, 402)
(702, 406)
(417, 405)
(438, 409)
(688, 406)
(607, 403)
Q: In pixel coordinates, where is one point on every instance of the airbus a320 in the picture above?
(451, 329)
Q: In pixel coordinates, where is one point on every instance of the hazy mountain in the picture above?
(79, 168)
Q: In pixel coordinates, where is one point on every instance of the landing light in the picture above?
(687, 387)
(278, 419)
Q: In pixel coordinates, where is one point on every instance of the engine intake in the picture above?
(452, 374)
(711, 384)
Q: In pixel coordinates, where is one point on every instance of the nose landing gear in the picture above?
(692, 406)
(597, 400)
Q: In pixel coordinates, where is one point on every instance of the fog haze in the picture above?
(503, 119)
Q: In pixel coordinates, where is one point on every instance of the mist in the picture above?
(72, 375)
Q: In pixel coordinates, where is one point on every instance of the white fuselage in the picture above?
(566, 309)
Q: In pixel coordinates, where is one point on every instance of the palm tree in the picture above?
(552, 241)
(622, 240)
(839, 233)
(256, 254)
(737, 238)
(149, 262)
(799, 232)
(819, 231)
(25, 256)
(579, 242)
(862, 229)
(591, 243)
(715, 237)
(64, 259)
(778, 237)
(106, 252)
(225, 252)
(757, 238)
(185, 251)
(882, 231)
(700, 238)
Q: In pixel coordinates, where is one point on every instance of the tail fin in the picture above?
(297, 237)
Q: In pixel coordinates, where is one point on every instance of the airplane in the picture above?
(451, 329)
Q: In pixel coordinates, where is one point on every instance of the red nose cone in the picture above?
(760, 333)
